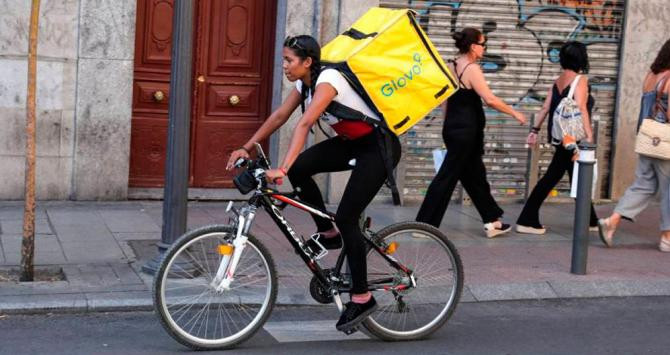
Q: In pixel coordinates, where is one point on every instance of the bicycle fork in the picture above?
(231, 255)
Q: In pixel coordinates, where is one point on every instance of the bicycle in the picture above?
(216, 285)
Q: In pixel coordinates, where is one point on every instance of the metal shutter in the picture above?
(521, 64)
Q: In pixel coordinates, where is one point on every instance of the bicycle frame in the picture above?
(263, 198)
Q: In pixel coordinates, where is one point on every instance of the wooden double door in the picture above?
(231, 88)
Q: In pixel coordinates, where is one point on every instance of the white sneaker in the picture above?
(492, 231)
(530, 230)
(664, 245)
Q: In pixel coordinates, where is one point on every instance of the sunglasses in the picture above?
(292, 42)
(483, 44)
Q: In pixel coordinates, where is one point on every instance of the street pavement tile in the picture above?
(48, 250)
(303, 331)
(93, 251)
(37, 288)
(623, 288)
(198, 217)
(13, 210)
(512, 291)
(79, 225)
(123, 221)
(125, 274)
(15, 226)
(466, 295)
(126, 236)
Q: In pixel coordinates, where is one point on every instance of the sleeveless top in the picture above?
(556, 98)
(465, 112)
(346, 96)
(648, 104)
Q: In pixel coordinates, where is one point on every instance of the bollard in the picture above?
(580, 242)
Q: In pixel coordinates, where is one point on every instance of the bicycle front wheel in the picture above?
(188, 303)
(414, 312)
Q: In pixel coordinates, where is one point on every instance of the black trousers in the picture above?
(463, 163)
(560, 163)
(367, 177)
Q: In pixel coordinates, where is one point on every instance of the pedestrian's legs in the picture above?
(639, 194)
(440, 189)
(475, 184)
(634, 200)
(662, 169)
(530, 214)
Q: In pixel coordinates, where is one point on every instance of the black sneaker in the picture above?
(355, 313)
(328, 243)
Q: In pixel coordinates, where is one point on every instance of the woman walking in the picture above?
(652, 175)
(463, 134)
(575, 62)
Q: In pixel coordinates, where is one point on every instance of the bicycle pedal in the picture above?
(351, 330)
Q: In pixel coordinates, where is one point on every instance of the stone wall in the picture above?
(645, 31)
(56, 92)
(84, 79)
(104, 99)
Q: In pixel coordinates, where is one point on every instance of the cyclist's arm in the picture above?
(323, 96)
(276, 119)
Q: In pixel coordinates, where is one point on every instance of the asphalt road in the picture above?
(584, 326)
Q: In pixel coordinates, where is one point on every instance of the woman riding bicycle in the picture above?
(354, 148)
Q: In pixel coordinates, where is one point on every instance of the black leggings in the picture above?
(560, 163)
(367, 177)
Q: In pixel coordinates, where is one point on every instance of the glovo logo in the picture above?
(390, 88)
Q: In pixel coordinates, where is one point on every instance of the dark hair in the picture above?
(304, 47)
(573, 56)
(662, 61)
(466, 38)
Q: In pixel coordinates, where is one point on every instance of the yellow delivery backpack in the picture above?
(390, 62)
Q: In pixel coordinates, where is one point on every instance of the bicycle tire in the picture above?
(180, 335)
(372, 323)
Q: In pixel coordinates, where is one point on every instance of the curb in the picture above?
(125, 301)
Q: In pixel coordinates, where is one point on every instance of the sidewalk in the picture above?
(101, 247)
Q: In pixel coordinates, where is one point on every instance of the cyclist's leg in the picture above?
(366, 179)
(327, 156)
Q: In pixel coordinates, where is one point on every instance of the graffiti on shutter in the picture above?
(521, 62)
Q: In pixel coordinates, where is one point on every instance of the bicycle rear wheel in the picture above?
(191, 309)
(416, 312)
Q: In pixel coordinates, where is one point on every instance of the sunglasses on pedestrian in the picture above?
(292, 42)
(483, 43)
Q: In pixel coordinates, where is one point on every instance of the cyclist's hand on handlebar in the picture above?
(235, 156)
(275, 176)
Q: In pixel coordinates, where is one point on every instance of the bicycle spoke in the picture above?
(193, 308)
(412, 311)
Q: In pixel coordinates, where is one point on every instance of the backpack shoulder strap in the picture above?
(573, 86)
